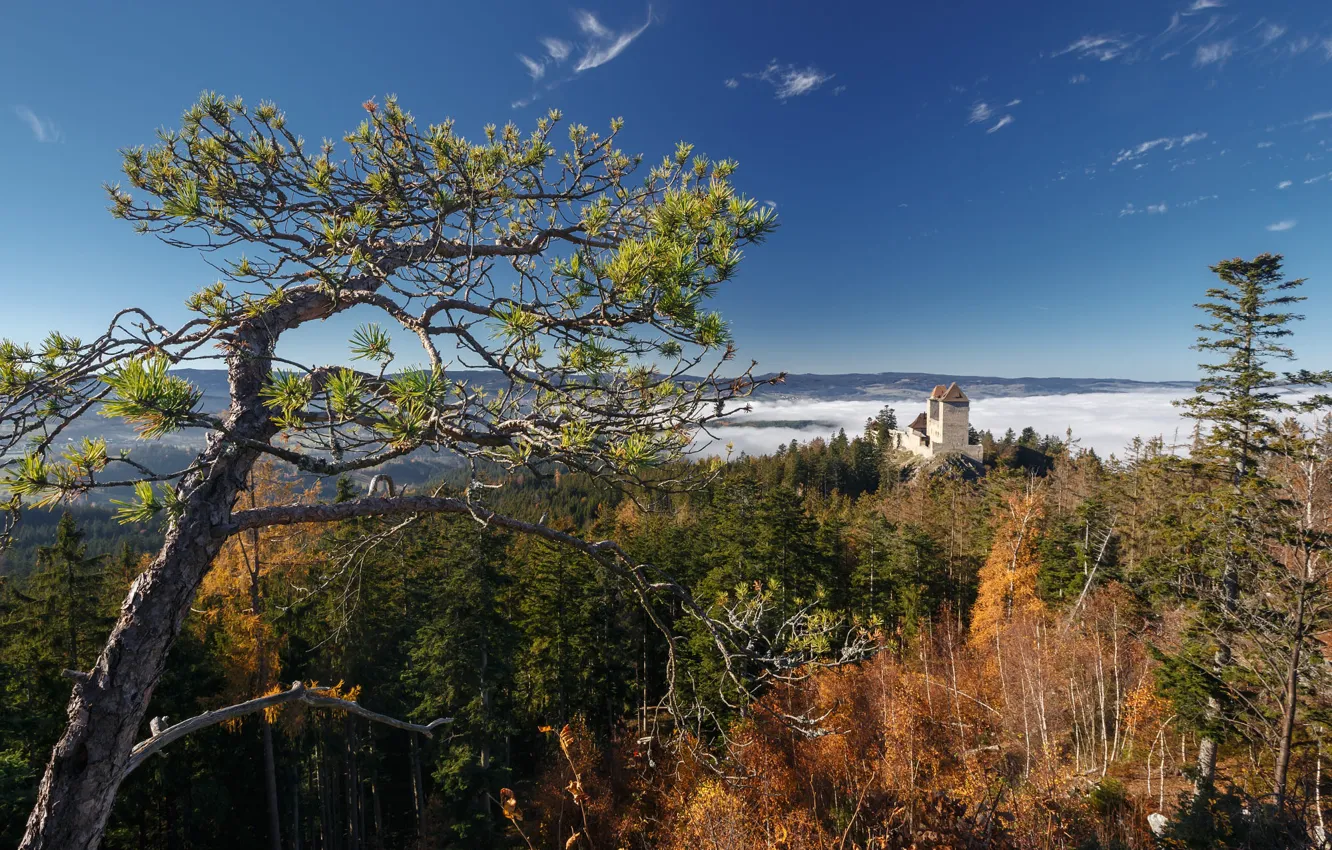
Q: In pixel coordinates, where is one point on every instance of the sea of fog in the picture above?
(1106, 422)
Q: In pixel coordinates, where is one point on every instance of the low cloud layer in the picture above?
(1106, 422)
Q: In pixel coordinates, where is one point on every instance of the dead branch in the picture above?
(297, 693)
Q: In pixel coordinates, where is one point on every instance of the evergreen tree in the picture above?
(1237, 403)
(71, 587)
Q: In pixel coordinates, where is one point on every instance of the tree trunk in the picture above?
(1290, 708)
(1206, 744)
(295, 808)
(270, 782)
(106, 711)
(418, 788)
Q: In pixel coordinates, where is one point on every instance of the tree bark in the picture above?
(1290, 708)
(105, 712)
(107, 709)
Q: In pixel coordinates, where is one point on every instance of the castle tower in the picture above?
(948, 419)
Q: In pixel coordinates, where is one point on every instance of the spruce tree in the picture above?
(1237, 404)
(70, 585)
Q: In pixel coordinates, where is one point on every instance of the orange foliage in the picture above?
(932, 748)
(1008, 580)
(233, 598)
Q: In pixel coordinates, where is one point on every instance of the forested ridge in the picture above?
(1033, 684)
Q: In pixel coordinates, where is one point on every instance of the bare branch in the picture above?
(313, 697)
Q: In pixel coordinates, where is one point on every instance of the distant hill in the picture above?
(900, 385)
(174, 451)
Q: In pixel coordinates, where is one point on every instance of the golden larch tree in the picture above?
(1008, 579)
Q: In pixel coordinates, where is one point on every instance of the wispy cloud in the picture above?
(732, 83)
(1200, 5)
(790, 81)
(1270, 33)
(1266, 144)
(1286, 224)
(1157, 209)
(838, 90)
(1165, 143)
(1102, 47)
(1012, 103)
(604, 43)
(43, 129)
(557, 48)
(536, 70)
(980, 111)
(1300, 45)
(1078, 79)
(1285, 184)
(1001, 124)
(1129, 209)
(1327, 48)
(1317, 178)
(1318, 116)
(1213, 54)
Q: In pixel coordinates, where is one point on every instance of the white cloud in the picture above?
(1128, 209)
(732, 83)
(1199, 5)
(980, 111)
(1327, 48)
(1299, 45)
(790, 81)
(1318, 116)
(1266, 144)
(557, 48)
(1002, 123)
(1014, 102)
(1285, 184)
(1165, 143)
(1157, 209)
(589, 24)
(1271, 33)
(838, 90)
(536, 70)
(1102, 47)
(43, 129)
(1213, 54)
(1279, 226)
(1315, 179)
(605, 44)
(1078, 79)
(1105, 422)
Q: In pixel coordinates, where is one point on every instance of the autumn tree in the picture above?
(234, 601)
(580, 290)
(1009, 579)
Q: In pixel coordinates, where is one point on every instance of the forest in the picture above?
(587, 634)
(1039, 666)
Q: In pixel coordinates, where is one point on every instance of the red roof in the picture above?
(953, 393)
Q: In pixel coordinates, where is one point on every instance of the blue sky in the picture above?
(1043, 184)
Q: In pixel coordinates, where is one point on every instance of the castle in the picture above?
(944, 428)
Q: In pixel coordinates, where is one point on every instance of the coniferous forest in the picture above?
(1049, 641)
(587, 637)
